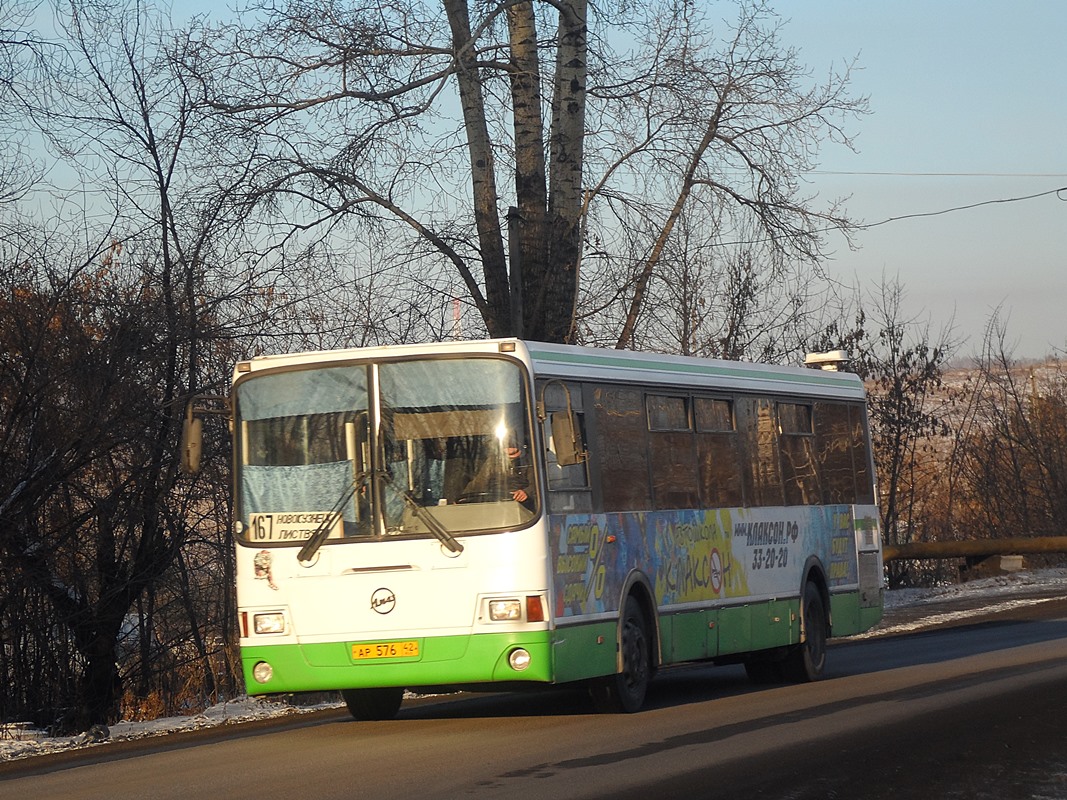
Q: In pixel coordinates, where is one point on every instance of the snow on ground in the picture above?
(17, 741)
(914, 609)
(998, 587)
(906, 610)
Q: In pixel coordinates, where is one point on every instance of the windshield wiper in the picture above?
(322, 532)
(427, 518)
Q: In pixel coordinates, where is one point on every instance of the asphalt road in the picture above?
(978, 711)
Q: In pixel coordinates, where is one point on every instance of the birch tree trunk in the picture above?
(554, 303)
(531, 185)
(483, 178)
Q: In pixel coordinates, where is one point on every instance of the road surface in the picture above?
(977, 711)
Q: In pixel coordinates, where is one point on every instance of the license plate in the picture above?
(407, 649)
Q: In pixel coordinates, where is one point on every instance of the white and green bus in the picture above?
(633, 510)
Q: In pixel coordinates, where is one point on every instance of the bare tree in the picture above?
(708, 298)
(903, 367)
(1015, 453)
(64, 386)
(737, 112)
(22, 58)
(643, 111)
(95, 514)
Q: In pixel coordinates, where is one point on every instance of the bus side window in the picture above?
(800, 477)
(861, 455)
(568, 486)
(833, 447)
(758, 432)
(620, 448)
(675, 476)
(718, 453)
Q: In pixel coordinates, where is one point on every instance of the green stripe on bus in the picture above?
(444, 660)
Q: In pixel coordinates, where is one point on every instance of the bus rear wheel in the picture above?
(373, 704)
(625, 691)
(805, 662)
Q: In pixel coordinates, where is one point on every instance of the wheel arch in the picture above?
(815, 573)
(638, 586)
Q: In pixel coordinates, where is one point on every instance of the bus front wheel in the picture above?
(625, 691)
(373, 704)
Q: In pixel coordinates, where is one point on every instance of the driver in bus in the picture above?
(498, 479)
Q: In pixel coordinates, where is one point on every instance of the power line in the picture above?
(967, 207)
(942, 174)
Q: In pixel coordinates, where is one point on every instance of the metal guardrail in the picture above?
(975, 548)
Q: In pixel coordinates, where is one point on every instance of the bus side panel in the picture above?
(699, 557)
(845, 613)
(685, 636)
(725, 581)
(849, 615)
(778, 621)
(584, 651)
(735, 630)
(869, 617)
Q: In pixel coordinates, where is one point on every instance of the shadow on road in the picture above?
(696, 683)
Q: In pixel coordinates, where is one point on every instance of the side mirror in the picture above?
(567, 439)
(192, 442)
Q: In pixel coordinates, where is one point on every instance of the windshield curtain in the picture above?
(302, 451)
(448, 438)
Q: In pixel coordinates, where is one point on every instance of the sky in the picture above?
(968, 104)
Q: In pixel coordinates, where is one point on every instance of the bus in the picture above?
(508, 514)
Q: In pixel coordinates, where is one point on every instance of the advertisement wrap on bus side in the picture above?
(698, 556)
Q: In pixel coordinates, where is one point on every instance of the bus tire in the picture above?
(373, 704)
(805, 661)
(625, 691)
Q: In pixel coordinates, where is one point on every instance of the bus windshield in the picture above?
(406, 448)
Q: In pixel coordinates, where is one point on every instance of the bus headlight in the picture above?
(519, 659)
(262, 672)
(272, 622)
(504, 610)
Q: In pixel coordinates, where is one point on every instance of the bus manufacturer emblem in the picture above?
(383, 601)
